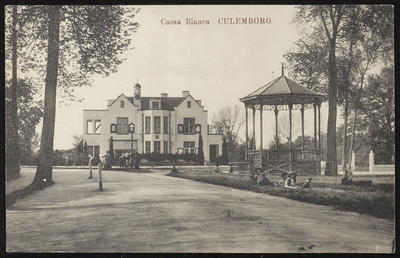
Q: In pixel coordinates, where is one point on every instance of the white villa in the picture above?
(161, 125)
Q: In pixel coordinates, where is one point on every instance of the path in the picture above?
(156, 213)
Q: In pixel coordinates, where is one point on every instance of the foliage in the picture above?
(228, 122)
(66, 45)
(339, 44)
(29, 115)
(200, 155)
(379, 108)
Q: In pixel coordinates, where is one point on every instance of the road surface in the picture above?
(138, 212)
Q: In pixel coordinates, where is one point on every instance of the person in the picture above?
(347, 178)
(293, 176)
(283, 179)
(231, 169)
(307, 183)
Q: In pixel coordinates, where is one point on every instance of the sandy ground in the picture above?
(156, 213)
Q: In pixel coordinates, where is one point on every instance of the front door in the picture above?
(214, 151)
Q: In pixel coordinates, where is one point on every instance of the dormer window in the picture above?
(155, 104)
(189, 104)
(122, 104)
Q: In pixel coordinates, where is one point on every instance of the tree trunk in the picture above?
(13, 151)
(352, 138)
(44, 170)
(346, 116)
(332, 97)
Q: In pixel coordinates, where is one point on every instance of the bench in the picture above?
(225, 169)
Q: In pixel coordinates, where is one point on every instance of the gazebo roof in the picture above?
(282, 91)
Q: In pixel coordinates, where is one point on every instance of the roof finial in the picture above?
(282, 70)
(273, 75)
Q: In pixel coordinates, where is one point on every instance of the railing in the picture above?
(254, 155)
(297, 155)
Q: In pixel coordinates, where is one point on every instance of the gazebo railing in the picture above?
(254, 155)
(284, 155)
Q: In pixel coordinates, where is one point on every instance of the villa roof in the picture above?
(167, 103)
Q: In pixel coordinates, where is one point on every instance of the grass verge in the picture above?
(377, 200)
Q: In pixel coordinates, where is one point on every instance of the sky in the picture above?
(217, 63)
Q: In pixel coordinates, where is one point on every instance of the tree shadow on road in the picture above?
(12, 197)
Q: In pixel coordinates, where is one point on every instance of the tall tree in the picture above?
(200, 154)
(74, 42)
(12, 148)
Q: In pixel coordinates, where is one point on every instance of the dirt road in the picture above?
(156, 213)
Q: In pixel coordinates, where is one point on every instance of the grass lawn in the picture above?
(377, 200)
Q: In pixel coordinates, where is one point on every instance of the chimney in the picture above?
(164, 95)
(199, 101)
(185, 93)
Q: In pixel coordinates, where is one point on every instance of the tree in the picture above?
(200, 155)
(224, 158)
(340, 35)
(379, 106)
(228, 122)
(12, 145)
(29, 113)
(76, 42)
(284, 127)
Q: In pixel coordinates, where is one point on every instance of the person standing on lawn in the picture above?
(347, 176)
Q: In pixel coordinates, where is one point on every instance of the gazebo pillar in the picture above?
(290, 136)
(254, 129)
(276, 127)
(315, 138)
(319, 132)
(261, 134)
(247, 129)
(302, 131)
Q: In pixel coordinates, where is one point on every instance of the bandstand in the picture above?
(284, 94)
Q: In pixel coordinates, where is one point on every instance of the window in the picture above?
(97, 126)
(148, 147)
(189, 104)
(180, 128)
(89, 126)
(188, 126)
(166, 147)
(157, 146)
(155, 104)
(122, 125)
(189, 147)
(166, 125)
(147, 125)
(157, 125)
(180, 150)
(122, 104)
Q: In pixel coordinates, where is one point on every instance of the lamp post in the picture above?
(131, 131)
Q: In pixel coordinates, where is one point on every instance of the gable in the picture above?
(117, 102)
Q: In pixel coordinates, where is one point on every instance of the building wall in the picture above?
(175, 140)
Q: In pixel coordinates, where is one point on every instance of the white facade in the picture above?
(162, 124)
